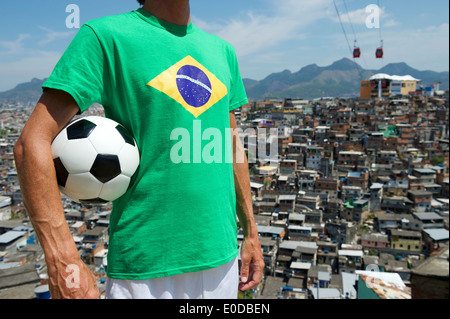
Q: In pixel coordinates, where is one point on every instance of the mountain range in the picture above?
(24, 93)
(340, 79)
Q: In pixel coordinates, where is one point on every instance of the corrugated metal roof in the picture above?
(10, 236)
(354, 174)
(437, 233)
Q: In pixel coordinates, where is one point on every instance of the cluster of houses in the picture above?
(350, 198)
(353, 186)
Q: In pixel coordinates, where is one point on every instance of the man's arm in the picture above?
(35, 168)
(252, 261)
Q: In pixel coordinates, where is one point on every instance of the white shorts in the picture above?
(217, 283)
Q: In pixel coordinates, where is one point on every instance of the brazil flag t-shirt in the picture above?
(172, 87)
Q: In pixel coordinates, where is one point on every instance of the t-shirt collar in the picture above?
(170, 27)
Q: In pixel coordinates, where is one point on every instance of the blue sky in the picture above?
(269, 35)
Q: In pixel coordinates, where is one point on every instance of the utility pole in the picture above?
(380, 89)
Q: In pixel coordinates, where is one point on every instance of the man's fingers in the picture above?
(251, 277)
(252, 264)
(247, 286)
(245, 268)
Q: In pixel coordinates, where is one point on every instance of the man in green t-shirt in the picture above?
(175, 88)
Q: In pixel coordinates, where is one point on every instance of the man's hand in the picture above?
(252, 264)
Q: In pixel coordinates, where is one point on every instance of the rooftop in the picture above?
(437, 234)
(287, 197)
(292, 244)
(424, 171)
(10, 236)
(383, 76)
(326, 293)
(385, 285)
(270, 229)
(351, 253)
(428, 216)
(435, 266)
(407, 233)
(299, 265)
(418, 192)
(375, 237)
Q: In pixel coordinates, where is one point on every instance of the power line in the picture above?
(381, 38)
(346, 37)
(379, 27)
(354, 33)
(342, 26)
(349, 19)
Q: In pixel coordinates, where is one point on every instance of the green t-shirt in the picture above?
(172, 87)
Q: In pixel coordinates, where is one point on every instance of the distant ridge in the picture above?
(24, 93)
(340, 79)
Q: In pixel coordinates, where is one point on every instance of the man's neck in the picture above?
(172, 11)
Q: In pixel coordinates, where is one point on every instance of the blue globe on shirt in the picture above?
(194, 85)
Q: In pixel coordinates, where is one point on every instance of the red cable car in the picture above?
(356, 50)
(379, 53)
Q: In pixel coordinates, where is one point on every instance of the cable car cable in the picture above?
(342, 26)
(380, 51)
(352, 52)
(354, 35)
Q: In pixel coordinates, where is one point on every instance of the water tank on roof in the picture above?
(42, 292)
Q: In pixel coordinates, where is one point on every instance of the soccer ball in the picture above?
(94, 158)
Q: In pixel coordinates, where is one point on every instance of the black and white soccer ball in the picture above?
(95, 159)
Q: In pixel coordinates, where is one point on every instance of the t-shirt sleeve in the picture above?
(80, 71)
(238, 96)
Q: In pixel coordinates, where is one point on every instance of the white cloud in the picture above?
(360, 17)
(253, 33)
(421, 48)
(355, 17)
(37, 65)
(391, 23)
(21, 59)
(11, 48)
(51, 35)
(20, 62)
